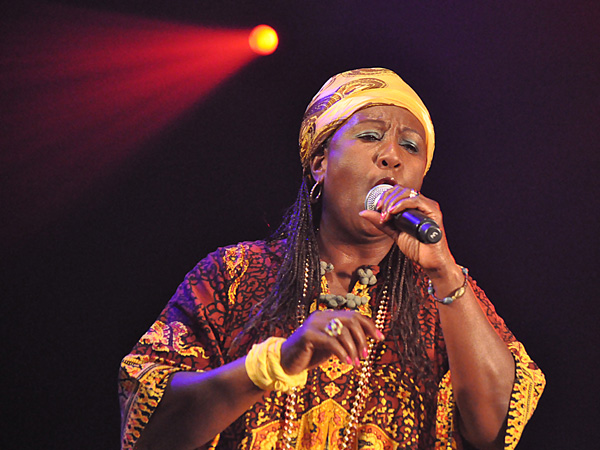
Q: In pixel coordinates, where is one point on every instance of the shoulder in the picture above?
(244, 254)
(233, 261)
(226, 278)
(251, 251)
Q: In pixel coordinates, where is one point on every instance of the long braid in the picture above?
(297, 234)
(405, 328)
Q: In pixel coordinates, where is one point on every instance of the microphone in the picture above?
(411, 221)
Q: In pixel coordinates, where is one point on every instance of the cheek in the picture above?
(343, 182)
(347, 176)
(338, 165)
(417, 172)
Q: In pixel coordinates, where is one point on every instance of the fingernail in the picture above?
(380, 335)
(349, 360)
(357, 361)
(365, 352)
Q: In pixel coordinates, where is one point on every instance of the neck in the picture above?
(347, 255)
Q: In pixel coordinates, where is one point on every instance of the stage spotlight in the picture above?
(263, 40)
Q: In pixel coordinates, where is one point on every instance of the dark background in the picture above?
(512, 88)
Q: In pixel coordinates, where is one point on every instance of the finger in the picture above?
(375, 218)
(368, 327)
(360, 329)
(346, 340)
(393, 198)
(350, 345)
(339, 346)
(390, 196)
(398, 206)
(357, 334)
(428, 207)
(311, 348)
(347, 328)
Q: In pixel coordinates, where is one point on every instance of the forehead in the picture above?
(389, 115)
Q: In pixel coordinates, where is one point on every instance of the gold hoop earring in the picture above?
(315, 194)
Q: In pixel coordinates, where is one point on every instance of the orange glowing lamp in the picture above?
(263, 40)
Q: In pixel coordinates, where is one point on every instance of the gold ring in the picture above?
(334, 327)
(413, 194)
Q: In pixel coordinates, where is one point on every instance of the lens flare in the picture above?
(263, 40)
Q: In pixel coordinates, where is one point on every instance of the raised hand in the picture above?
(344, 334)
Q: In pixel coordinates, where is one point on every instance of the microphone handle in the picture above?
(418, 225)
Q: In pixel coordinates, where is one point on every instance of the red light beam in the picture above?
(81, 90)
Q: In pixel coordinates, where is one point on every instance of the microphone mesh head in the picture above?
(373, 196)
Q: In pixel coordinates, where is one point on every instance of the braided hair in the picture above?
(298, 283)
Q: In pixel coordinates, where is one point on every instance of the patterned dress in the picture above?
(195, 331)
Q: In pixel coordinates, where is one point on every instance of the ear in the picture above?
(318, 166)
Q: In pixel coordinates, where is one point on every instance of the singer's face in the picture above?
(375, 145)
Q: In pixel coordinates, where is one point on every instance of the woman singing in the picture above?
(341, 330)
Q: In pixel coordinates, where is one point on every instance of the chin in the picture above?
(371, 231)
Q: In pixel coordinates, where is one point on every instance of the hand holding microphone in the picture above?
(411, 221)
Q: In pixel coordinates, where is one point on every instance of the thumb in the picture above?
(375, 218)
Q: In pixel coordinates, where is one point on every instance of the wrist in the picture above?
(263, 366)
(446, 289)
(448, 272)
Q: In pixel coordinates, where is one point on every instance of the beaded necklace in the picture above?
(366, 367)
(352, 300)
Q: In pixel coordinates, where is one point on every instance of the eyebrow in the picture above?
(382, 121)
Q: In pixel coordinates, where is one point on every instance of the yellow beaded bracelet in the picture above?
(263, 365)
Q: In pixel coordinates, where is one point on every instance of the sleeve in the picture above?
(527, 389)
(187, 336)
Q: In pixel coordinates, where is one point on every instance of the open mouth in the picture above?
(386, 180)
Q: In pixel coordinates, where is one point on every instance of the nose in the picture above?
(389, 157)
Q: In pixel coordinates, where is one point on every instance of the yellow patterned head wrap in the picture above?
(344, 94)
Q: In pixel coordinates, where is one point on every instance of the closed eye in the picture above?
(410, 146)
(371, 136)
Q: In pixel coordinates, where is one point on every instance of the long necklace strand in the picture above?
(366, 370)
(290, 404)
